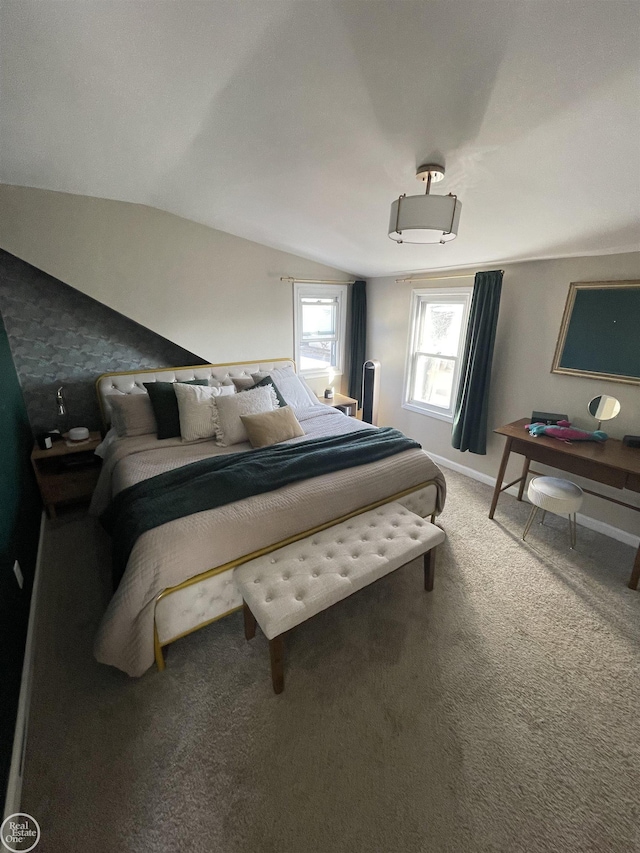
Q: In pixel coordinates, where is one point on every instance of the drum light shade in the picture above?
(424, 218)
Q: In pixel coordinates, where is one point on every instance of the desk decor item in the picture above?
(604, 408)
(547, 418)
(599, 332)
(565, 432)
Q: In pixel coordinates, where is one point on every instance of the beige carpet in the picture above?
(499, 713)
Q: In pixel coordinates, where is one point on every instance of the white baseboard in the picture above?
(14, 784)
(584, 520)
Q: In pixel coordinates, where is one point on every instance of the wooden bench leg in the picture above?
(249, 622)
(635, 574)
(276, 652)
(429, 569)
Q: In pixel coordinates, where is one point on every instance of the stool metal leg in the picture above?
(532, 515)
(544, 512)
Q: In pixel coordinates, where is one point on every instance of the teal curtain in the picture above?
(357, 338)
(472, 404)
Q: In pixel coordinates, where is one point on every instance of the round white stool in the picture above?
(552, 494)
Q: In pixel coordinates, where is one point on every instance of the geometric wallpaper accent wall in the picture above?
(59, 336)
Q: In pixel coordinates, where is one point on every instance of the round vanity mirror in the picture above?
(603, 407)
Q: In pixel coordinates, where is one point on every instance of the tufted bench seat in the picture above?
(286, 587)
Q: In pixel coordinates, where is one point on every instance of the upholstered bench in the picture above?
(286, 587)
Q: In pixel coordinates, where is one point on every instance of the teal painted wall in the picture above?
(20, 510)
(16, 442)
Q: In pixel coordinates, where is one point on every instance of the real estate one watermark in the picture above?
(20, 832)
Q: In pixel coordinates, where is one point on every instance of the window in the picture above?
(436, 341)
(320, 327)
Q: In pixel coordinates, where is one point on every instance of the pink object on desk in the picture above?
(565, 432)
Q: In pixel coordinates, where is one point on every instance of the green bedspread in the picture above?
(219, 480)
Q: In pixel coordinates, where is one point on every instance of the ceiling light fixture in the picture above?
(425, 218)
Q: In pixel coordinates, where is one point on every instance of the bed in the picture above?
(179, 576)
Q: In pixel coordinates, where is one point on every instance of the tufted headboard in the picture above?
(132, 381)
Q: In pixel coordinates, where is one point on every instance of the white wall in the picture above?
(533, 298)
(215, 294)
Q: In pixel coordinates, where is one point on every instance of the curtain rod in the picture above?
(439, 277)
(291, 279)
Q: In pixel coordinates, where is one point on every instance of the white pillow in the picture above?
(230, 429)
(312, 395)
(198, 414)
(292, 389)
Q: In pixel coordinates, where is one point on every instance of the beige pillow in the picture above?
(132, 414)
(230, 429)
(272, 427)
(243, 383)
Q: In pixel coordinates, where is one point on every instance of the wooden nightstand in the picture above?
(346, 404)
(66, 473)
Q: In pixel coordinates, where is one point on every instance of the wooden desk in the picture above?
(610, 462)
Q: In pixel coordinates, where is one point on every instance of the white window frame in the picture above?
(321, 291)
(420, 297)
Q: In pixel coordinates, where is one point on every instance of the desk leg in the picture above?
(525, 471)
(635, 574)
(500, 478)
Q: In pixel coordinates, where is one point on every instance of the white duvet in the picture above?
(181, 549)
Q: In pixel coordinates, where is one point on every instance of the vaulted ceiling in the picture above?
(295, 124)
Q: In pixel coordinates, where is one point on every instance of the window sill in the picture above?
(430, 413)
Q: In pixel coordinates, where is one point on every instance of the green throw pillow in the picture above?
(267, 380)
(165, 405)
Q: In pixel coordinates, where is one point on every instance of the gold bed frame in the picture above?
(232, 564)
